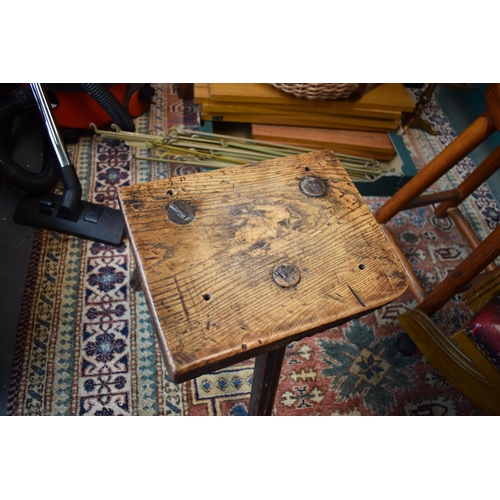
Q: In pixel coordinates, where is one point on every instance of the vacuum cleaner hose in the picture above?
(21, 101)
(111, 105)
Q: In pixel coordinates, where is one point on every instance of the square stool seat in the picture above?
(238, 262)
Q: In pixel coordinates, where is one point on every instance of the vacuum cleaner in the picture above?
(73, 107)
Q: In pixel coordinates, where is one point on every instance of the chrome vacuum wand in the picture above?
(70, 203)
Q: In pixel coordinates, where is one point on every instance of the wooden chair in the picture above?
(238, 262)
(470, 359)
(445, 355)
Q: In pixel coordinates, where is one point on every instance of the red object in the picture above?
(484, 330)
(77, 110)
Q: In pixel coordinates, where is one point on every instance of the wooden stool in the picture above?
(238, 262)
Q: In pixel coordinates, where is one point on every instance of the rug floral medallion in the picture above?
(85, 344)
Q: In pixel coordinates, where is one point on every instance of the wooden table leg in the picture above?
(265, 382)
(415, 119)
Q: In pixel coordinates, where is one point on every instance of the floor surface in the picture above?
(15, 250)
(16, 240)
(15, 247)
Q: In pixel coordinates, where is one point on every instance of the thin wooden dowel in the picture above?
(484, 254)
(430, 199)
(474, 135)
(467, 232)
(479, 175)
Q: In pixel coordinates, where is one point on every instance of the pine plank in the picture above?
(375, 145)
(209, 284)
(201, 93)
(307, 120)
(388, 96)
(218, 107)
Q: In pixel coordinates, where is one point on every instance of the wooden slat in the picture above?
(307, 120)
(302, 106)
(201, 93)
(388, 96)
(375, 145)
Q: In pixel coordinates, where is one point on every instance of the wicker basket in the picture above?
(318, 91)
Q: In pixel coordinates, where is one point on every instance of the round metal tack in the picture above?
(180, 212)
(312, 186)
(286, 275)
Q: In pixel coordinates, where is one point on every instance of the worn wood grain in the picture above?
(280, 100)
(306, 120)
(209, 283)
(228, 108)
(375, 145)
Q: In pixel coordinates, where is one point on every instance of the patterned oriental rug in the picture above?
(85, 344)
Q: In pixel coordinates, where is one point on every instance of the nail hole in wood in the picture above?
(170, 192)
(307, 169)
(362, 266)
(206, 296)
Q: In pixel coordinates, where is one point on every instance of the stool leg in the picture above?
(265, 382)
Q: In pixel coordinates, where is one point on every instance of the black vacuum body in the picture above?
(66, 213)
